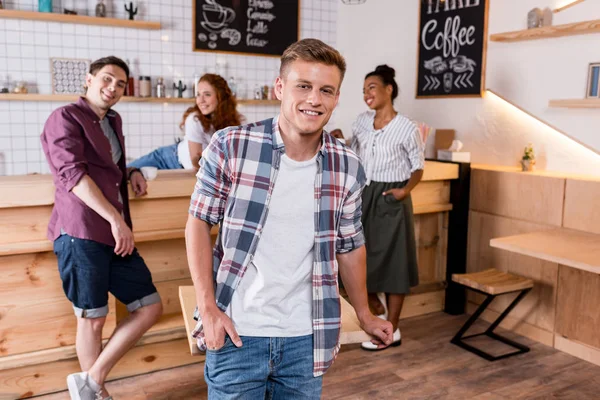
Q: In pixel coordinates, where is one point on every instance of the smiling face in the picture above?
(207, 98)
(105, 88)
(375, 93)
(309, 92)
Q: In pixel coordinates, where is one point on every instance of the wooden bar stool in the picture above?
(492, 283)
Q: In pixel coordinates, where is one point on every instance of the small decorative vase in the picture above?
(527, 165)
(100, 9)
(45, 6)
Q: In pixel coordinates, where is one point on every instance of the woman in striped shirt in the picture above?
(392, 153)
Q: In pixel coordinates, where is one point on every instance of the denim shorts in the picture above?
(90, 270)
(271, 368)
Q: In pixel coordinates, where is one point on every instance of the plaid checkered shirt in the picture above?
(238, 171)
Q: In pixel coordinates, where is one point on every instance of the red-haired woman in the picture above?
(215, 109)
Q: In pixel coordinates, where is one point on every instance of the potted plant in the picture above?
(528, 160)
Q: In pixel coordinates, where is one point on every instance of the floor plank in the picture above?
(426, 366)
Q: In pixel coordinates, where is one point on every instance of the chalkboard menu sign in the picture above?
(452, 44)
(262, 27)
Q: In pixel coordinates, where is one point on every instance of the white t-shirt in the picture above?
(194, 132)
(274, 297)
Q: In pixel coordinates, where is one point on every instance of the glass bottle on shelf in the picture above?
(233, 86)
(257, 92)
(196, 80)
(160, 87)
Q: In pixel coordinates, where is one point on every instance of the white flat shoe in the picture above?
(396, 341)
(382, 299)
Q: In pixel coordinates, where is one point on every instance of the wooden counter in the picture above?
(32, 298)
(544, 226)
(575, 249)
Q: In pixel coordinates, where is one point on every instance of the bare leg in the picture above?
(127, 333)
(375, 305)
(88, 342)
(394, 303)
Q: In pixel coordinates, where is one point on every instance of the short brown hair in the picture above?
(110, 60)
(312, 50)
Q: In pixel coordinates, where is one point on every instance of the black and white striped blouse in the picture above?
(390, 154)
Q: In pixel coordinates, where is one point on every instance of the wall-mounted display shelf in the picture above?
(577, 28)
(78, 19)
(575, 103)
(67, 98)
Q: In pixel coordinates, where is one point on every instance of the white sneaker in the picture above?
(396, 341)
(83, 387)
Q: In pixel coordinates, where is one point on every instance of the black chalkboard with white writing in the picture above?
(260, 27)
(452, 44)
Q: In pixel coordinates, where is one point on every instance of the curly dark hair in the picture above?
(225, 113)
(386, 74)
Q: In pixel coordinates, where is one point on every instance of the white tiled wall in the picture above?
(26, 47)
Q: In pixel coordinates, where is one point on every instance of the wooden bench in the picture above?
(351, 332)
(492, 283)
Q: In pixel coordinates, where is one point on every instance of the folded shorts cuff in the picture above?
(91, 312)
(144, 301)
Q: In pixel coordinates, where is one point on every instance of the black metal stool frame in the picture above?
(458, 339)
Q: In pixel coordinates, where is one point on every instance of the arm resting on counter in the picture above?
(195, 153)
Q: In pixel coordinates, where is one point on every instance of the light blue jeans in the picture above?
(263, 368)
(162, 158)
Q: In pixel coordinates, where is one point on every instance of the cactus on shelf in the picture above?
(131, 10)
(180, 87)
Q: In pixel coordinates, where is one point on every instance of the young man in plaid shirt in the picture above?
(287, 196)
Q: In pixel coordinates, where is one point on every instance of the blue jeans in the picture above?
(162, 158)
(263, 368)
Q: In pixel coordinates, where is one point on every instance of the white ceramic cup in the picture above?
(149, 172)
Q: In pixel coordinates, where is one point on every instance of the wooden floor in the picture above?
(426, 366)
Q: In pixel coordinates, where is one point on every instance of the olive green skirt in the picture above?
(390, 240)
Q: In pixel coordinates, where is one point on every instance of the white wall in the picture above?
(527, 73)
(26, 47)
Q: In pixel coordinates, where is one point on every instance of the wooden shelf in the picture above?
(78, 19)
(577, 28)
(568, 247)
(67, 98)
(575, 103)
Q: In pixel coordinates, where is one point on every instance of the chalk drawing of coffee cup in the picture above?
(216, 17)
(448, 82)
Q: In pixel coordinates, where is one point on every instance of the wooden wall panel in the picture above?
(431, 192)
(582, 206)
(166, 259)
(538, 308)
(169, 293)
(24, 224)
(31, 293)
(518, 195)
(578, 308)
(153, 215)
(428, 241)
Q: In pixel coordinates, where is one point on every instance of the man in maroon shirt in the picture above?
(91, 225)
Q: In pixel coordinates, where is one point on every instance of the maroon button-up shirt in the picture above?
(75, 145)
